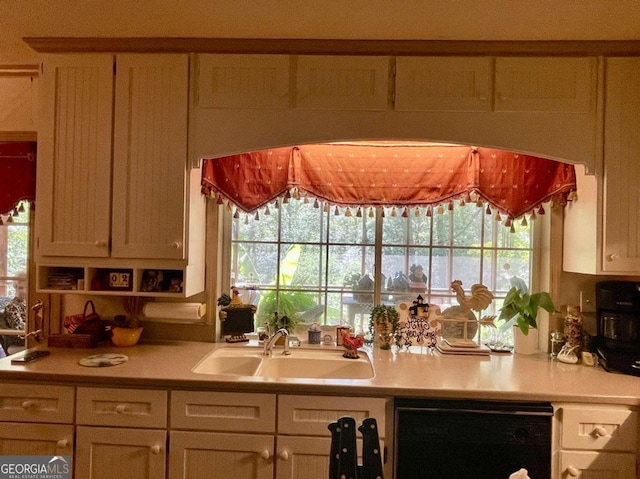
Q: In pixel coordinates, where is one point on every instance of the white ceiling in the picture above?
(326, 19)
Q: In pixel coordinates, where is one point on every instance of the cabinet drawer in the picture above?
(20, 439)
(214, 411)
(122, 407)
(310, 415)
(599, 428)
(587, 464)
(34, 403)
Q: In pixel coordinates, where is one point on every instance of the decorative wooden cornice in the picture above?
(19, 70)
(334, 47)
(18, 136)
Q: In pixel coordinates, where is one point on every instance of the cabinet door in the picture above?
(342, 83)
(306, 457)
(18, 439)
(202, 455)
(105, 453)
(443, 84)
(74, 156)
(150, 156)
(621, 228)
(546, 84)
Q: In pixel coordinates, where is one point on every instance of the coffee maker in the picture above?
(618, 323)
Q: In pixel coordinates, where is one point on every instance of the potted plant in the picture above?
(288, 322)
(520, 310)
(126, 329)
(384, 324)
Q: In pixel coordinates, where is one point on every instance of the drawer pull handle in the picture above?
(176, 245)
(28, 404)
(155, 449)
(265, 454)
(573, 472)
(284, 455)
(62, 443)
(121, 409)
(600, 431)
(612, 257)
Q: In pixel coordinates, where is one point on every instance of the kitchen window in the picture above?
(329, 230)
(307, 257)
(14, 259)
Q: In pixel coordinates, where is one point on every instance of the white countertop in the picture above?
(397, 374)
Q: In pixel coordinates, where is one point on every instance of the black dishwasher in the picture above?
(469, 439)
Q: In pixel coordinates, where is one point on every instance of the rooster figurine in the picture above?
(351, 344)
(480, 298)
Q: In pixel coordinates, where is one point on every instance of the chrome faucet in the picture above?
(270, 343)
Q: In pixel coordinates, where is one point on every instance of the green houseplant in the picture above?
(384, 323)
(521, 309)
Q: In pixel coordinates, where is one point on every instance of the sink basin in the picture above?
(302, 363)
(230, 361)
(316, 365)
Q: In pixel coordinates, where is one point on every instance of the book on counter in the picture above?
(468, 348)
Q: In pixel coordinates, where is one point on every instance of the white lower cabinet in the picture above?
(105, 453)
(19, 439)
(134, 443)
(595, 442)
(208, 455)
(224, 435)
(36, 420)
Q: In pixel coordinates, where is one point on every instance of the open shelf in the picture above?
(110, 281)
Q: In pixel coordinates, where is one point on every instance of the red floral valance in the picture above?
(17, 174)
(389, 175)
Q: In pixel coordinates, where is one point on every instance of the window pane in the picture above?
(246, 228)
(394, 230)
(467, 225)
(301, 222)
(466, 266)
(347, 264)
(254, 263)
(302, 266)
(419, 230)
(352, 229)
(442, 229)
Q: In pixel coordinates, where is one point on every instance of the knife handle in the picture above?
(335, 449)
(348, 454)
(371, 456)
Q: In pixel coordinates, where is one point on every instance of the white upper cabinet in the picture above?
(443, 83)
(74, 156)
(243, 81)
(621, 197)
(560, 84)
(115, 193)
(342, 83)
(150, 156)
(602, 227)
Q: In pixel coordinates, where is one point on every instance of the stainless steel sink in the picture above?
(302, 363)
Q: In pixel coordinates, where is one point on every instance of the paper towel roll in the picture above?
(177, 311)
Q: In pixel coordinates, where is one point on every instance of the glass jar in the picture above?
(573, 328)
(557, 341)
